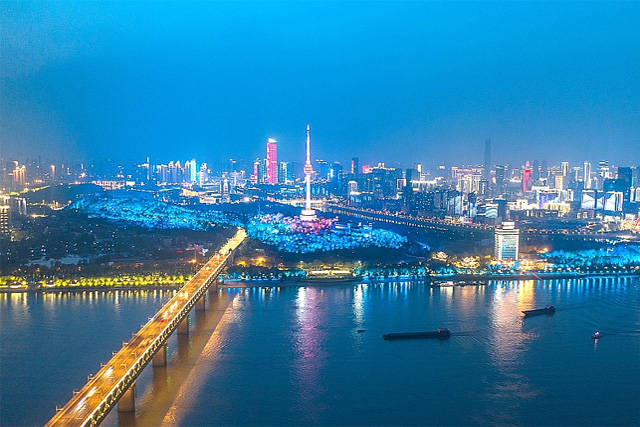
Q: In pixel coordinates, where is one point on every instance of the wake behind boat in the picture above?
(538, 311)
(441, 334)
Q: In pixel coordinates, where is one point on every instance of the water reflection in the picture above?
(310, 355)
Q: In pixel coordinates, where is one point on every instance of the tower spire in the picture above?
(308, 214)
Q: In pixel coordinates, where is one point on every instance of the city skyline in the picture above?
(215, 79)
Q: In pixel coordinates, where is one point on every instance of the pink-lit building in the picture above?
(272, 161)
(526, 178)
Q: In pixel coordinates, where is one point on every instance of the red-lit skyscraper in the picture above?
(526, 178)
(272, 161)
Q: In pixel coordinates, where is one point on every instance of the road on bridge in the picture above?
(101, 392)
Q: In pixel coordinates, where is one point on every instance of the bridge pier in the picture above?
(127, 402)
(183, 327)
(160, 358)
(200, 304)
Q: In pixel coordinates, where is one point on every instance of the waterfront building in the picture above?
(507, 242)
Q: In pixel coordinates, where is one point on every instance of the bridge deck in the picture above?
(102, 391)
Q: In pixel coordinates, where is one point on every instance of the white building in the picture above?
(507, 242)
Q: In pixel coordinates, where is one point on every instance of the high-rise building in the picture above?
(225, 191)
(20, 175)
(272, 161)
(284, 172)
(507, 242)
(565, 168)
(355, 165)
(526, 178)
(193, 172)
(4, 219)
(586, 175)
(255, 176)
(500, 179)
(487, 160)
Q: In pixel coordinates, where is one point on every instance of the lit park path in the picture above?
(114, 382)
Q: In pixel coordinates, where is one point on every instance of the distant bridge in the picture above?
(481, 230)
(115, 381)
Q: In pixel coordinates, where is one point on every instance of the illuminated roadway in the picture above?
(101, 392)
(446, 225)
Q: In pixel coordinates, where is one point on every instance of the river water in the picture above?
(294, 356)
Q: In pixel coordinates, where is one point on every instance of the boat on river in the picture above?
(441, 334)
(538, 311)
(329, 279)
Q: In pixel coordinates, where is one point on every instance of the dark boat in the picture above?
(596, 335)
(441, 334)
(538, 311)
(329, 279)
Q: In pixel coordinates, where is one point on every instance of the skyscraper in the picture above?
(586, 175)
(487, 160)
(565, 168)
(308, 214)
(225, 191)
(193, 173)
(272, 161)
(526, 178)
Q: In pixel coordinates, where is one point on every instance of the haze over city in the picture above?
(319, 213)
(552, 80)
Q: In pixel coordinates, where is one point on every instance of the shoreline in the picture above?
(90, 288)
(292, 282)
(265, 283)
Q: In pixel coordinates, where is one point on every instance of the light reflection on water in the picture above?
(293, 356)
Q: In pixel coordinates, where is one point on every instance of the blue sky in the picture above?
(386, 81)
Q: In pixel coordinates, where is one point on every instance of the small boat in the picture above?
(538, 311)
(447, 284)
(360, 331)
(441, 334)
(596, 335)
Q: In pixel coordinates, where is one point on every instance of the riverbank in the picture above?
(457, 280)
(38, 289)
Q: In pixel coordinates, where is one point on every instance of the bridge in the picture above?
(479, 229)
(115, 381)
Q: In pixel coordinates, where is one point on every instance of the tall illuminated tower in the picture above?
(526, 178)
(272, 161)
(308, 214)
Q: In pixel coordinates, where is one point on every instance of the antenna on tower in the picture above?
(308, 214)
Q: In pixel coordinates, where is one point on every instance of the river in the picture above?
(295, 356)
